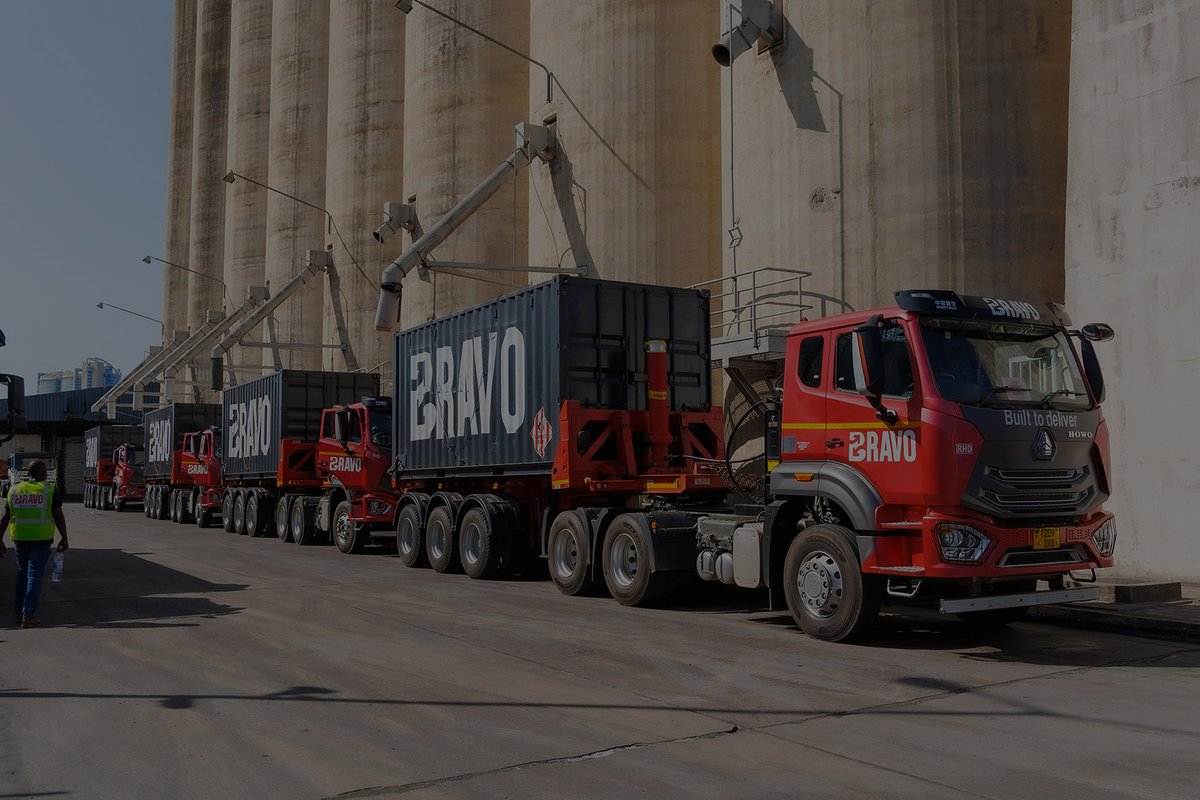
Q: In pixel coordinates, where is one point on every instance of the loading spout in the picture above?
(532, 141)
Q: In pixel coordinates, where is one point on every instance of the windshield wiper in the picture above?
(1045, 401)
(994, 390)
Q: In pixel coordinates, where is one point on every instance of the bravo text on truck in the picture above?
(947, 450)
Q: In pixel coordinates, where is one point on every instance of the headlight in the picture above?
(961, 543)
(378, 508)
(1105, 538)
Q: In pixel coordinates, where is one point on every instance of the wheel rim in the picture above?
(565, 558)
(472, 543)
(819, 584)
(437, 540)
(406, 537)
(239, 514)
(623, 560)
(251, 517)
(341, 529)
(297, 521)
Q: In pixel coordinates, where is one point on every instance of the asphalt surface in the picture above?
(181, 663)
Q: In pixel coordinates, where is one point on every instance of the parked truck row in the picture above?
(947, 450)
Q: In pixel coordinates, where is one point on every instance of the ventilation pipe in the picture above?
(761, 21)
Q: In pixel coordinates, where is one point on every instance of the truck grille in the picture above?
(1023, 493)
(1033, 558)
(1043, 477)
(1042, 501)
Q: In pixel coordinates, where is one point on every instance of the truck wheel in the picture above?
(440, 543)
(173, 506)
(346, 535)
(567, 552)
(162, 505)
(626, 562)
(480, 545)
(203, 516)
(186, 509)
(227, 510)
(304, 531)
(829, 597)
(253, 517)
(410, 538)
(120, 505)
(239, 513)
(283, 518)
(87, 496)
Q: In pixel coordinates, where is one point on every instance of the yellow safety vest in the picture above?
(29, 505)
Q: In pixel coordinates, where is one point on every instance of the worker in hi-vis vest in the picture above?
(32, 512)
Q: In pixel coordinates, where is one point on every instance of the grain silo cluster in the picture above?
(873, 145)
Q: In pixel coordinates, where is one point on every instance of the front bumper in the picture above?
(1029, 599)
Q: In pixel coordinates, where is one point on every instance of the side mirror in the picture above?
(1097, 332)
(868, 361)
(15, 423)
(1091, 366)
(341, 426)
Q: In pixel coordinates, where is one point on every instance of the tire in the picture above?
(441, 545)
(173, 504)
(186, 515)
(625, 558)
(410, 537)
(239, 513)
(254, 519)
(203, 516)
(87, 496)
(283, 518)
(567, 554)
(120, 505)
(348, 537)
(106, 505)
(227, 510)
(301, 523)
(163, 505)
(827, 593)
(999, 617)
(480, 545)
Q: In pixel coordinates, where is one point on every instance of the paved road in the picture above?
(184, 663)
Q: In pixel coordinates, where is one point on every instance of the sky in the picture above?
(84, 102)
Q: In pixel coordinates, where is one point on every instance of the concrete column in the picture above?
(1133, 207)
(299, 94)
(463, 96)
(636, 193)
(365, 159)
(205, 252)
(179, 168)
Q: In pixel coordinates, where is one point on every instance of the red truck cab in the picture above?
(128, 475)
(954, 445)
(354, 454)
(200, 462)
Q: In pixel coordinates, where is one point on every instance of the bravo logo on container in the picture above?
(250, 428)
(453, 394)
(158, 445)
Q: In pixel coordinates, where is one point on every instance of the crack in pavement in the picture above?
(404, 788)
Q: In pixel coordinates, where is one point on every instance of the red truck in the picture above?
(949, 450)
(112, 474)
(172, 465)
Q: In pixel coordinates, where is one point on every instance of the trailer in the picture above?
(288, 438)
(111, 478)
(170, 461)
(948, 450)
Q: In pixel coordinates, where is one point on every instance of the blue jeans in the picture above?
(31, 566)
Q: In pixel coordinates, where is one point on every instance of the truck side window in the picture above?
(353, 427)
(809, 368)
(897, 366)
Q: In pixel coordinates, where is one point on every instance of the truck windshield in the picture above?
(381, 428)
(1003, 364)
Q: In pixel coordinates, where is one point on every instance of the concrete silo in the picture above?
(299, 93)
(207, 229)
(365, 158)
(635, 190)
(463, 96)
(249, 116)
(179, 168)
(891, 145)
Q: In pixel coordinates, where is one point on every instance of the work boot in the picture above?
(30, 622)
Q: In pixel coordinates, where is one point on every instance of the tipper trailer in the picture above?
(291, 449)
(111, 467)
(949, 449)
(172, 466)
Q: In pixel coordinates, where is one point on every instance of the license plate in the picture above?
(1046, 538)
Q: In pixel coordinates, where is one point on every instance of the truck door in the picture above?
(803, 436)
(886, 454)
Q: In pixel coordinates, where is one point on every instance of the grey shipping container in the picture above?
(99, 442)
(286, 404)
(165, 428)
(479, 392)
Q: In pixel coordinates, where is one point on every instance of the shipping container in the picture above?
(261, 413)
(99, 443)
(165, 428)
(479, 392)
